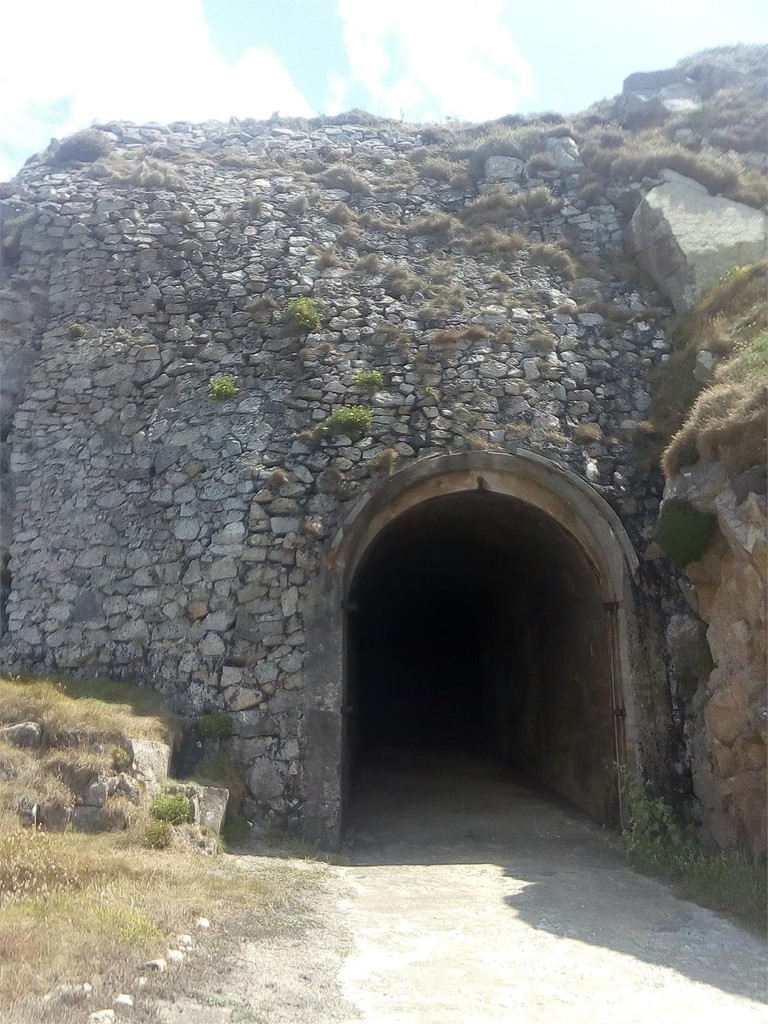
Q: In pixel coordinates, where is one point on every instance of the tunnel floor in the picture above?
(445, 802)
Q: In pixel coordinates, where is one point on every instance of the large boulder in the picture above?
(687, 239)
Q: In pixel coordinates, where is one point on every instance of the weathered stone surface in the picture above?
(726, 720)
(151, 759)
(687, 239)
(503, 168)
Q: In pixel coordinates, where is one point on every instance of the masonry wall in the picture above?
(158, 534)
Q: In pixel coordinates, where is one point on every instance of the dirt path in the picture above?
(462, 898)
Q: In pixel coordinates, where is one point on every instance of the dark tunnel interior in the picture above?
(476, 626)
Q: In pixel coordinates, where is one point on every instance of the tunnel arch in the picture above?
(551, 507)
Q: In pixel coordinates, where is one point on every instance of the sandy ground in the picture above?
(463, 898)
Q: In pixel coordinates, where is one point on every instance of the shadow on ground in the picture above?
(568, 876)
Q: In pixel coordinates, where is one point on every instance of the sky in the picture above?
(67, 65)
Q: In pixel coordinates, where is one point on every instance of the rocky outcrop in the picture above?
(687, 239)
(727, 712)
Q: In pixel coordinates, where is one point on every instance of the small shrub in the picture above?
(655, 841)
(684, 532)
(369, 381)
(158, 835)
(222, 386)
(83, 147)
(587, 433)
(171, 808)
(353, 421)
(302, 316)
(216, 725)
(76, 331)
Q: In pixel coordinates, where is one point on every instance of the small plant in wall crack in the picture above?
(369, 381)
(222, 386)
(353, 421)
(302, 316)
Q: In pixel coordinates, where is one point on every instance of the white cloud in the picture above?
(66, 65)
(419, 59)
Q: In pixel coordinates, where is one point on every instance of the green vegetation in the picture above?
(158, 835)
(216, 725)
(222, 386)
(174, 808)
(369, 381)
(726, 419)
(683, 532)
(76, 331)
(302, 316)
(353, 421)
(656, 842)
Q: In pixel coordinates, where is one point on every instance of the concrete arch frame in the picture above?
(531, 479)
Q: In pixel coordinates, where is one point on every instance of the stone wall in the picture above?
(161, 535)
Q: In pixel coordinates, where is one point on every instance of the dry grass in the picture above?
(439, 226)
(479, 142)
(497, 206)
(587, 433)
(620, 157)
(77, 907)
(548, 254)
(345, 178)
(728, 420)
(147, 172)
(85, 732)
(78, 711)
(731, 119)
(725, 421)
(490, 241)
(91, 908)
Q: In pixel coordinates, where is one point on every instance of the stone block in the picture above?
(151, 759)
(687, 239)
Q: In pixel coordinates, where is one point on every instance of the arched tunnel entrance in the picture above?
(476, 626)
(478, 605)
